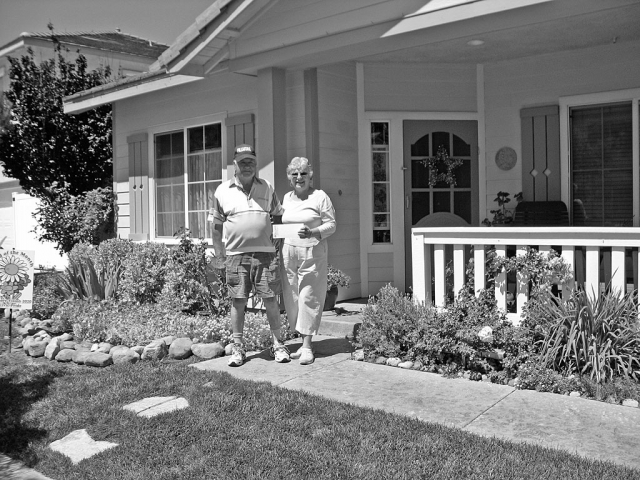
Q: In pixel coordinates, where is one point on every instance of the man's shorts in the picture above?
(259, 270)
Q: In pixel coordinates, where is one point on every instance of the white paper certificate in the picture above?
(287, 230)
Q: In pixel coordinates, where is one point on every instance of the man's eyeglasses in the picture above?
(298, 174)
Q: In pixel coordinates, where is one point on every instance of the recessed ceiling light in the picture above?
(475, 43)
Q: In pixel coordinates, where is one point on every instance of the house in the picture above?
(125, 54)
(531, 96)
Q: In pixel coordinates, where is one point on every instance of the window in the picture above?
(186, 178)
(602, 165)
(380, 178)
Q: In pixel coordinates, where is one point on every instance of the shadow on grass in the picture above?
(20, 387)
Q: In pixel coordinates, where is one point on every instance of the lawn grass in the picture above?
(240, 429)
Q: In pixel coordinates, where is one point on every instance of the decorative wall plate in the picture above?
(506, 158)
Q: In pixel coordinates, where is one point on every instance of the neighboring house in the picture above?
(531, 95)
(125, 54)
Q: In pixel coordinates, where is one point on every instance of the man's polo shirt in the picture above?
(246, 218)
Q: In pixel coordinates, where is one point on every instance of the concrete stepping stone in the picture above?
(152, 406)
(79, 445)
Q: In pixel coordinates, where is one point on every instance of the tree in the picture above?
(65, 161)
(44, 147)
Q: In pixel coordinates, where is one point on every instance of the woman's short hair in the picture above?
(299, 163)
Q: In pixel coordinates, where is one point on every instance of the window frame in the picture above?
(173, 127)
(595, 99)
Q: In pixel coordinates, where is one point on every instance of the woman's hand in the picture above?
(305, 232)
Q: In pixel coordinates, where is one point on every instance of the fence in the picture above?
(598, 256)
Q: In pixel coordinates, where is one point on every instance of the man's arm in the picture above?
(218, 246)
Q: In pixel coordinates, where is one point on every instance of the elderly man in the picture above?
(244, 205)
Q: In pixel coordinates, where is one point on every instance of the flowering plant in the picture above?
(336, 278)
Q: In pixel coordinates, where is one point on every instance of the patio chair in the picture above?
(541, 214)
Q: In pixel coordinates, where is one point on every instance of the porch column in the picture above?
(271, 135)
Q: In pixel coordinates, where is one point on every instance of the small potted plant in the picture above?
(335, 278)
(502, 215)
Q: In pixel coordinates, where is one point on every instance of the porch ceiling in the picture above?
(617, 24)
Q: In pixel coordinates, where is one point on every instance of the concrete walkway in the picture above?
(592, 429)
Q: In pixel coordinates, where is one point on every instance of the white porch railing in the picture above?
(428, 246)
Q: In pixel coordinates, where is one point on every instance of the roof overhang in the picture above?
(126, 88)
(195, 53)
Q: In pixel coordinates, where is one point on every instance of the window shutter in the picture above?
(240, 129)
(540, 153)
(139, 186)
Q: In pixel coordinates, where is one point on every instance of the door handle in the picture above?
(406, 201)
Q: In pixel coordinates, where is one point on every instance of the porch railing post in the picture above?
(568, 252)
(618, 273)
(419, 267)
(501, 280)
(522, 282)
(592, 280)
(478, 268)
(458, 268)
(439, 274)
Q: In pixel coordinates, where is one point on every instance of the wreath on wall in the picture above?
(444, 164)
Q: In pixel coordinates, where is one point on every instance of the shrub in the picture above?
(67, 219)
(337, 278)
(143, 272)
(596, 337)
(393, 325)
(191, 282)
(46, 297)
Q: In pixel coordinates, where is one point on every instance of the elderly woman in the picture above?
(305, 258)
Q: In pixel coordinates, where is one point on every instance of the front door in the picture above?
(455, 204)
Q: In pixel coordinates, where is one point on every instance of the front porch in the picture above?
(597, 257)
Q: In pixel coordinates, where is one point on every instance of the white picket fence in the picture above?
(603, 252)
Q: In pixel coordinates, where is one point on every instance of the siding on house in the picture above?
(541, 80)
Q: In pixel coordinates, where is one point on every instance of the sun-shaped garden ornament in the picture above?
(14, 275)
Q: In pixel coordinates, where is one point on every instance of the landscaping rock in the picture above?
(52, 349)
(574, 394)
(156, 350)
(381, 360)
(512, 382)
(65, 355)
(208, 350)
(98, 359)
(180, 348)
(65, 337)
(227, 349)
(168, 340)
(80, 356)
(417, 365)
(138, 349)
(393, 362)
(104, 347)
(123, 354)
(83, 346)
(407, 364)
(629, 402)
(36, 347)
(358, 355)
(68, 344)
(485, 378)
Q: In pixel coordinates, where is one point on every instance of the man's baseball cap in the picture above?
(244, 151)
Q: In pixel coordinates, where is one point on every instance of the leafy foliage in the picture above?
(337, 278)
(191, 281)
(83, 282)
(46, 296)
(67, 219)
(44, 147)
(596, 337)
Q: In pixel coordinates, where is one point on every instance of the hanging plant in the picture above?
(441, 162)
